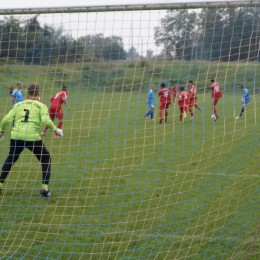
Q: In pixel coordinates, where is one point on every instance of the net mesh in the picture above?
(124, 187)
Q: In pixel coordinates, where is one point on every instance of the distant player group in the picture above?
(187, 100)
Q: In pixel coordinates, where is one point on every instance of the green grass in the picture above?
(126, 188)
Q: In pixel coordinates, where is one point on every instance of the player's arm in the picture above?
(13, 99)
(5, 122)
(65, 102)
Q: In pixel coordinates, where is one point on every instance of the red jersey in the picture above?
(216, 91)
(184, 98)
(165, 95)
(57, 100)
(11, 88)
(193, 91)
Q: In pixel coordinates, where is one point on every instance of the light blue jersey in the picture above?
(150, 98)
(18, 96)
(245, 97)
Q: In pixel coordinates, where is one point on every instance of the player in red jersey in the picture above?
(216, 95)
(184, 99)
(165, 100)
(193, 99)
(174, 91)
(55, 110)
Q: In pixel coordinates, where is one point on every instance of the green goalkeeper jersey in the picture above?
(28, 116)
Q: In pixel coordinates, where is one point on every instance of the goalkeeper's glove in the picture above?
(2, 135)
(59, 132)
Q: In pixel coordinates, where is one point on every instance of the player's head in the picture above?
(33, 90)
(64, 88)
(181, 88)
(162, 85)
(19, 84)
(152, 86)
(190, 82)
(242, 87)
(212, 80)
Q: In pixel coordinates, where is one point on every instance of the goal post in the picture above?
(131, 179)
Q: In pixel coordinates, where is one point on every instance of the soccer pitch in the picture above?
(128, 188)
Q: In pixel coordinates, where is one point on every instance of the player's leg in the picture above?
(191, 112)
(166, 112)
(244, 103)
(215, 101)
(52, 113)
(150, 112)
(59, 115)
(147, 114)
(196, 105)
(16, 147)
(190, 105)
(185, 109)
(181, 112)
(152, 109)
(161, 108)
(40, 151)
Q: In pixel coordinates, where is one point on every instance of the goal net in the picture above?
(124, 186)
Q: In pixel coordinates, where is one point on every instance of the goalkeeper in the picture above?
(28, 117)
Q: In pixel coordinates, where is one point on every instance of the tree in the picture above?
(149, 54)
(132, 53)
(12, 37)
(110, 48)
(178, 33)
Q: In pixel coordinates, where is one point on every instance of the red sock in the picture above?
(160, 114)
(60, 125)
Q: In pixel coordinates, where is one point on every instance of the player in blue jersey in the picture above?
(17, 95)
(245, 100)
(150, 102)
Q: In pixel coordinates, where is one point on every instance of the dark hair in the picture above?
(242, 87)
(181, 88)
(33, 90)
(162, 85)
(64, 88)
(190, 81)
(212, 79)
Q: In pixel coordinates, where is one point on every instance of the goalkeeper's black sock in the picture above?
(242, 111)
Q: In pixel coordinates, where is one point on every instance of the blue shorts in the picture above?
(245, 101)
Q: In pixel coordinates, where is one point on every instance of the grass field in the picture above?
(126, 188)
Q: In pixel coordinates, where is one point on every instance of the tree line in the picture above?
(226, 34)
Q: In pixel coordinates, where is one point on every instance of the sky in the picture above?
(135, 28)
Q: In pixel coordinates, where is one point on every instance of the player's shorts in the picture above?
(56, 113)
(10, 92)
(192, 101)
(245, 101)
(164, 106)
